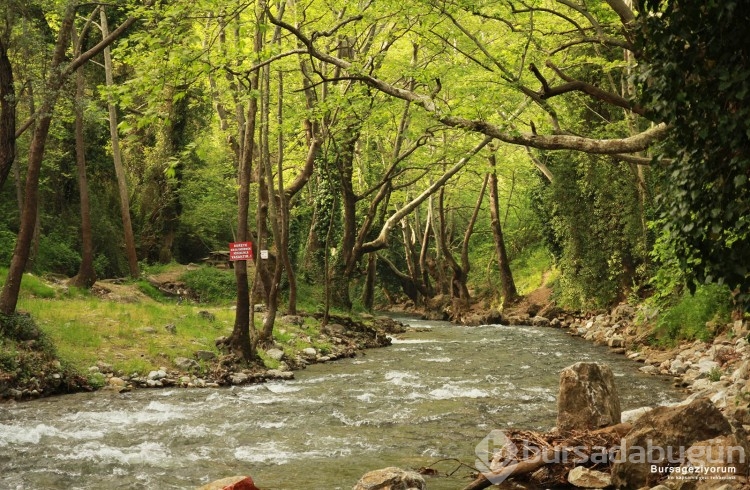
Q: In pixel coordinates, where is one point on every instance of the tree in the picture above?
(695, 77)
(58, 74)
(86, 276)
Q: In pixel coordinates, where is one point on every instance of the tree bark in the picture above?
(122, 184)
(86, 276)
(7, 115)
(508, 285)
(272, 306)
(284, 206)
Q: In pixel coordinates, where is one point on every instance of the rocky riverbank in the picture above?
(718, 369)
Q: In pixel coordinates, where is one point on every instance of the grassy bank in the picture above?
(135, 329)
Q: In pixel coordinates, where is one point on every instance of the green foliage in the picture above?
(686, 317)
(696, 77)
(7, 243)
(592, 225)
(56, 255)
(31, 285)
(212, 284)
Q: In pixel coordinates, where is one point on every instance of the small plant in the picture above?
(97, 380)
(714, 375)
(688, 317)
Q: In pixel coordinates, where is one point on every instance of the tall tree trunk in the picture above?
(7, 115)
(266, 336)
(368, 295)
(122, 184)
(86, 276)
(343, 267)
(242, 342)
(284, 205)
(509, 292)
(9, 295)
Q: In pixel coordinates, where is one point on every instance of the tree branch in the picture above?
(631, 144)
(382, 240)
(574, 85)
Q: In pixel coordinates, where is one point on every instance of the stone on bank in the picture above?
(391, 478)
(587, 398)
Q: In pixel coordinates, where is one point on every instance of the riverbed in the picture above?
(431, 396)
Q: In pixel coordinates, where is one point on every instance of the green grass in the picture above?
(687, 316)
(533, 269)
(31, 285)
(130, 334)
(211, 284)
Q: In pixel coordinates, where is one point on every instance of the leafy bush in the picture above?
(21, 327)
(687, 318)
(211, 284)
(55, 255)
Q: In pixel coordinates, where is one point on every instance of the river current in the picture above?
(431, 396)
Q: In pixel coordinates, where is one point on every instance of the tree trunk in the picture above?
(509, 292)
(266, 336)
(344, 263)
(242, 342)
(122, 184)
(7, 115)
(86, 276)
(284, 206)
(368, 295)
(9, 295)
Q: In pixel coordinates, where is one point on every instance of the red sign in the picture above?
(241, 251)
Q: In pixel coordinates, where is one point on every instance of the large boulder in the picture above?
(587, 398)
(663, 437)
(391, 478)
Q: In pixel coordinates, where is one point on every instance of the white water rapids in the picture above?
(430, 396)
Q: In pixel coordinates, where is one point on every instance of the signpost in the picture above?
(241, 251)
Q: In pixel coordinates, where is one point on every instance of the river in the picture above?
(430, 396)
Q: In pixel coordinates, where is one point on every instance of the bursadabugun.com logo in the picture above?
(498, 454)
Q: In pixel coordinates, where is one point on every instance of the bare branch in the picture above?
(382, 240)
(622, 10)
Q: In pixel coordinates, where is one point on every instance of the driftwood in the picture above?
(553, 449)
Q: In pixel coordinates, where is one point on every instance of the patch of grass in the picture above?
(130, 336)
(533, 269)
(211, 284)
(268, 362)
(149, 290)
(687, 317)
(31, 286)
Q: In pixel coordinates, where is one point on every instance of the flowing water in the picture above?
(431, 396)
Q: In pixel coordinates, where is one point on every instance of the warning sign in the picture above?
(241, 251)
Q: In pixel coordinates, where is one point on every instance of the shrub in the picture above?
(55, 255)
(7, 244)
(211, 284)
(686, 319)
